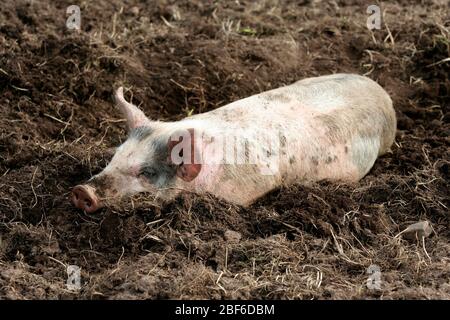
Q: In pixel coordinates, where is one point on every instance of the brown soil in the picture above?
(57, 124)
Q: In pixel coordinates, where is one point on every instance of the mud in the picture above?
(58, 124)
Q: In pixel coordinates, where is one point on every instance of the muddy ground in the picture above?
(58, 122)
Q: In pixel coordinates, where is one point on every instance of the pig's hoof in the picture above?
(83, 197)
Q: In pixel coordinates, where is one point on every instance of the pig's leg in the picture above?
(363, 153)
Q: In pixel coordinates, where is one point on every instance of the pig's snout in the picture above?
(84, 197)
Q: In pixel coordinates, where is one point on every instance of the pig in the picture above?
(330, 127)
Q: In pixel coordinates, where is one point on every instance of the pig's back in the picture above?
(342, 103)
(315, 115)
(317, 95)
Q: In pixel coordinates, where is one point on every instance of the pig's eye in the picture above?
(148, 173)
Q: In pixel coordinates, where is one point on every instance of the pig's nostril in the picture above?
(83, 197)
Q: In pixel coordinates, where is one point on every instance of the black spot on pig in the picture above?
(283, 141)
(315, 160)
(159, 148)
(330, 159)
(159, 174)
(292, 159)
(247, 151)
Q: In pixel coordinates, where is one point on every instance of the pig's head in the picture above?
(145, 162)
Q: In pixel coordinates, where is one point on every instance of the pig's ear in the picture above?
(135, 117)
(183, 152)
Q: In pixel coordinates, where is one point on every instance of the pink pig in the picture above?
(330, 127)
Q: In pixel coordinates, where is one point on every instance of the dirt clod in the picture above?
(232, 236)
(417, 230)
